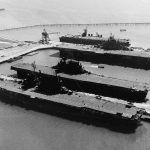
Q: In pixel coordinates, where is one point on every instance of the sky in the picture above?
(29, 12)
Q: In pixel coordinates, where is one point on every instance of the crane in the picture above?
(45, 36)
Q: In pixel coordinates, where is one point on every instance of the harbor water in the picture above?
(22, 129)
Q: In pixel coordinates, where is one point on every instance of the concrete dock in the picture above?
(17, 51)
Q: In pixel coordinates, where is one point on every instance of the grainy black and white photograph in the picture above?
(74, 75)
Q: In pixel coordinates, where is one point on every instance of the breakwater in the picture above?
(3, 28)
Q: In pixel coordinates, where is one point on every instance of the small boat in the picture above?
(14, 59)
(2, 9)
(123, 30)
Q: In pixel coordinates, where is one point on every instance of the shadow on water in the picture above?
(113, 125)
(146, 118)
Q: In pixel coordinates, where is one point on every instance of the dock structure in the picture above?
(132, 59)
(15, 52)
(90, 83)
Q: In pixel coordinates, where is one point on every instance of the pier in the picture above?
(8, 54)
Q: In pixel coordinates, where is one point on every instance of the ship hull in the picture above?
(80, 114)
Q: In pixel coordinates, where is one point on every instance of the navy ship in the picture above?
(110, 43)
(41, 88)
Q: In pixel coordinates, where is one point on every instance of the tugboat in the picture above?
(123, 30)
(115, 44)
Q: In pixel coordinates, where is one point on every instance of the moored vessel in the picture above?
(110, 43)
(67, 103)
